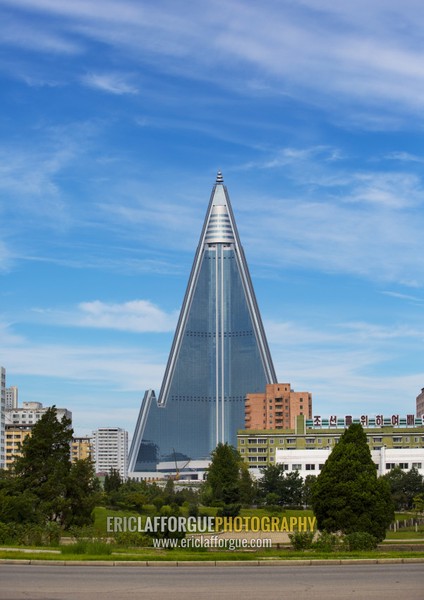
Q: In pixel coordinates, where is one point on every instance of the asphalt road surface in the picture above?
(338, 582)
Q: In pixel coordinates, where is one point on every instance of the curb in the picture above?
(212, 563)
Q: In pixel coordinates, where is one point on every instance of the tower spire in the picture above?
(219, 177)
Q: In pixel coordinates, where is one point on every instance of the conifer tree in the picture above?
(54, 489)
(347, 495)
(227, 478)
(45, 465)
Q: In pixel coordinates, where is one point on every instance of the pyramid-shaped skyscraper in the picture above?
(219, 353)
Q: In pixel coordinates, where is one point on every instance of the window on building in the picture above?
(310, 467)
(377, 439)
(291, 440)
(310, 440)
(404, 465)
(296, 467)
(241, 441)
(417, 465)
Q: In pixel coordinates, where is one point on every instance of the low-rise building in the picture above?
(81, 448)
(14, 438)
(19, 424)
(259, 447)
(311, 462)
(30, 413)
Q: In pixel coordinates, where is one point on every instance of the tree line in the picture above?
(44, 487)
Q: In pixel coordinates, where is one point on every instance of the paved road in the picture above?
(338, 582)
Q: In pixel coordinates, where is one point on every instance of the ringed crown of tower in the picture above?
(219, 229)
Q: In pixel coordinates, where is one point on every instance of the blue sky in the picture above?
(114, 119)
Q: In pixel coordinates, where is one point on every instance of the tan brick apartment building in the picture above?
(277, 407)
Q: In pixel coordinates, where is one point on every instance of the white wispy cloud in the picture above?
(113, 83)
(340, 364)
(338, 217)
(406, 157)
(359, 54)
(401, 296)
(136, 316)
(37, 37)
(122, 367)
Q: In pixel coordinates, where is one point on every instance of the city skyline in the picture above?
(113, 128)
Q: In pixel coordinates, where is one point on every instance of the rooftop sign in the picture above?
(319, 422)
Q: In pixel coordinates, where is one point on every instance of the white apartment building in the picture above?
(110, 450)
(2, 416)
(30, 413)
(311, 461)
(12, 397)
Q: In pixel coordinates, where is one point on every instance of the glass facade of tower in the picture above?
(219, 352)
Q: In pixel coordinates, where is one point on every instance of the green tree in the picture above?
(248, 490)
(83, 493)
(44, 486)
(16, 505)
(308, 485)
(271, 482)
(292, 489)
(113, 481)
(224, 483)
(43, 468)
(278, 487)
(419, 503)
(347, 495)
(404, 486)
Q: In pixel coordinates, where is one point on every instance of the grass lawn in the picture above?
(149, 554)
(119, 553)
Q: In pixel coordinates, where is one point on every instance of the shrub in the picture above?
(93, 547)
(360, 540)
(301, 540)
(6, 533)
(29, 534)
(82, 533)
(229, 510)
(328, 542)
(193, 510)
